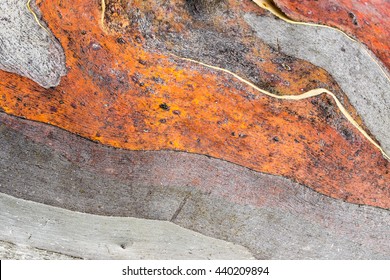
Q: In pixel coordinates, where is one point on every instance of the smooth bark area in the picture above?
(273, 217)
(27, 47)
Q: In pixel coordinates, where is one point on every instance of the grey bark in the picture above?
(26, 48)
(272, 216)
(99, 237)
(352, 66)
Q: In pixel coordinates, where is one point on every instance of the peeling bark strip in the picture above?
(368, 21)
(273, 217)
(97, 237)
(26, 48)
(360, 77)
(120, 91)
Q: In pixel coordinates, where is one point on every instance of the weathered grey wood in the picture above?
(9, 251)
(26, 48)
(100, 237)
(272, 216)
(354, 69)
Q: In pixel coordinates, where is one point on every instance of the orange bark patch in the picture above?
(368, 21)
(120, 93)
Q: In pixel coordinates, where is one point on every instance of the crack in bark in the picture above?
(178, 210)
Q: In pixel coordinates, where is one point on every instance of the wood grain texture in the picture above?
(271, 216)
(365, 20)
(10, 251)
(123, 91)
(97, 237)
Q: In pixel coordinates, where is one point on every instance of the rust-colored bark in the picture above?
(368, 21)
(122, 91)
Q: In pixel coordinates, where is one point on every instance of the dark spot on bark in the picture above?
(250, 96)
(241, 135)
(201, 7)
(348, 135)
(53, 109)
(141, 61)
(325, 107)
(176, 112)
(342, 49)
(50, 135)
(353, 17)
(163, 121)
(74, 106)
(158, 80)
(275, 139)
(136, 78)
(5, 19)
(120, 40)
(123, 246)
(233, 133)
(164, 106)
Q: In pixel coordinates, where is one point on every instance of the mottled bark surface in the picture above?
(368, 21)
(122, 90)
(183, 143)
(271, 216)
(353, 67)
